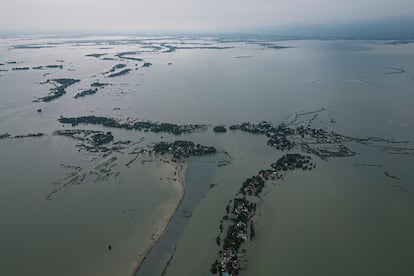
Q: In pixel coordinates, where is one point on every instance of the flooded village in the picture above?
(237, 225)
(135, 124)
(79, 110)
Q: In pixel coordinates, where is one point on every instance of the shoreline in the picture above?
(197, 184)
(180, 169)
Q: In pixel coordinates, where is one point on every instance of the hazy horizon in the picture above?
(265, 137)
(94, 16)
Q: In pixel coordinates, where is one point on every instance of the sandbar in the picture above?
(180, 169)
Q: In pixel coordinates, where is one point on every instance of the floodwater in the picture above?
(340, 219)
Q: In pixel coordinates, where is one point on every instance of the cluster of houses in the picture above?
(183, 149)
(137, 125)
(101, 138)
(321, 135)
(237, 233)
(92, 137)
(269, 174)
(293, 161)
(278, 137)
(166, 127)
(252, 186)
(259, 128)
(241, 226)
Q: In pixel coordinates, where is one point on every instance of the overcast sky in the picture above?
(187, 15)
